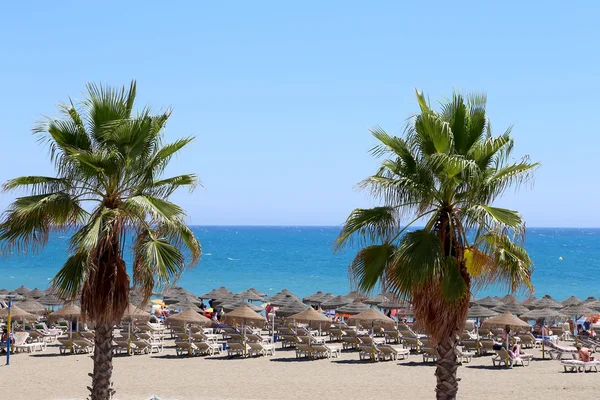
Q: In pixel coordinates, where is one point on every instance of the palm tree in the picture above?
(445, 172)
(109, 191)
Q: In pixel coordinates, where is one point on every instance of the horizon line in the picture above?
(339, 226)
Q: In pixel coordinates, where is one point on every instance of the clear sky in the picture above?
(280, 94)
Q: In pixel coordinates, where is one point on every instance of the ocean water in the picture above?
(302, 260)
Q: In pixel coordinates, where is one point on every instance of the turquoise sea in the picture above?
(302, 260)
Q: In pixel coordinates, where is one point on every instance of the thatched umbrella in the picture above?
(375, 300)
(22, 290)
(513, 308)
(32, 306)
(489, 302)
(308, 316)
(182, 297)
(250, 296)
(284, 295)
(258, 292)
(70, 312)
(477, 311)
(189, 316)
(589, 300)
(50, 300)
(394, 303)
(16, 311)
(3, 292)
(244, 315)
(594, 305)
(336, 302)
(133, 312)
(291, 307)
(529, 300)
(503, 320)
(509, 298)
(185, 304)
(286, 292)
(546, 302)
(571, 301)
(577, 311)
(543, 314)
(34, 294)
(216, 293)
(315, 298)
(373, 318)
(353, 308)
(282, 300)
(233, 305)
(356, 295)
(229, 299)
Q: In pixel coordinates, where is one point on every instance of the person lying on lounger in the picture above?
(585, 354)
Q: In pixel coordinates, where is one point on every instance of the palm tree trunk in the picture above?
(445, 372)
(101, 388)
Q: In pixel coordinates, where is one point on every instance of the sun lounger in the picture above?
(368, 351)
(509, 359)
(557, 352)
(391, 336)
(589, 342)
(529, 341)
(288, 340)
(335, 334)
(140, 346)
(122, 346)
(184, 348)
(486, 346)
(392, 352)
(580, 366)
(350, 342)
(302, 350)
(83, 345)
(464, 356)
(253, 337)
(20, 343)
(237, 349)
(209, 348)
(261, 349)
(412, 343)
(429, 354)
(319, 350)
(38, 338)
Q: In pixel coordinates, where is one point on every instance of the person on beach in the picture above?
(506, 336)
(585, 354)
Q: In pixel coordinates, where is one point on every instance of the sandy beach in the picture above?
(49, 375)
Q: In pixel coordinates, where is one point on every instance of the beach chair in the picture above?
(509, 359)
(38, 339)
(350, 342)
(20, 343)
(83, 346)
(322, 350)
(302, 350)
(335, 334)
(253, 337)
(66, 345)
(368, 351)
(486, 346)
(412, 343)
(209, 348)
(465, 335)
(580, 366)
(392, 352)
(184, 348)
(471, 345)
(152, 341)
(288, 340)
(464, 356)
(89, 335)
(557, 352)
(529, 341)
(140, 346)
(391, 336)
(589, 342)
(261, 349)
(429, 354)
(121, 346)
(237, 349)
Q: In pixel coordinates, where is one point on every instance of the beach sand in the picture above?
(48, 375)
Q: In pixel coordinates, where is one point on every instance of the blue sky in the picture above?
(280, 96)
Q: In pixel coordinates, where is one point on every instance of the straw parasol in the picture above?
(380, 298)
(513, 308)
(356, 295)
(242, 316)
(284, 295)
(16, 311)
(229, 299)
(315, 298)
(69, 311)
(571, 301)
(489, 302)
(216, 293)
(286, 292)
(35, 294)
(477, 311)
(353, 308)
(472, 299)
(281, 300)
(577, 310)
(233, 305)
(336, 302)
(50, 300)
(258, 292)
(542, 313)
(132, 312)
(182, 297)
(589, 300)
(250, 295)
(546, 302)
(529, 300)
(291, 307)
(371, 317)
(594, 305)
(509, 298)
(309, 316)
(393, 303)
(189, 316)
(32, 306)
(22, 290)
(3, 291)
(506, 319)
